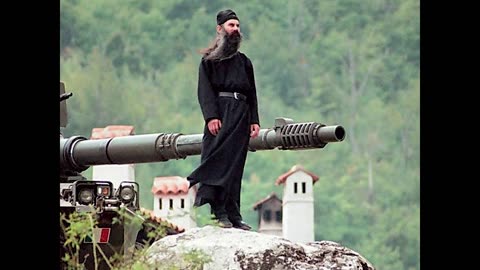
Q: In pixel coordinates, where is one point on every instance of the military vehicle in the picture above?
(78, 194)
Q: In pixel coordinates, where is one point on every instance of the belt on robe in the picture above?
(234, 95)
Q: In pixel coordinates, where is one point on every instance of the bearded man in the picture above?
(228, 100)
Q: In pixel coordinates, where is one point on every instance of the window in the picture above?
(267, 215)
(278, 215)
(160, 203)
(171, 204)
(295, 187)
(182, 203)
(304, 187)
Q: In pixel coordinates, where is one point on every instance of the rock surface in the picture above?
(235, 249)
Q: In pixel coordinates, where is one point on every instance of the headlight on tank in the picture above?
(85, 196)
(103, 191)
(127, 194)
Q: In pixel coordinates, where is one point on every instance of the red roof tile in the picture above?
(112, 131)
(170, 185)
(282, 178)
(171, 228)
(272, 196)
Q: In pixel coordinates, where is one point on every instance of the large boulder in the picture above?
(236, 249)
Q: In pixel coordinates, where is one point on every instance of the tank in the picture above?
(78, 153)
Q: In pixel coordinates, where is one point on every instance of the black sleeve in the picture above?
(254, 119)
(206, 95)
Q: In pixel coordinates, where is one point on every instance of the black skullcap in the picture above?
(226, 15)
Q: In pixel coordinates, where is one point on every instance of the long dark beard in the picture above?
(226, 46)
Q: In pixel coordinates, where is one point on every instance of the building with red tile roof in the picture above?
(296, 208)
(173, 200)
(282, 178)
(269, 215)
(112, 131)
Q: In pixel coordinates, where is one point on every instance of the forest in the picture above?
(349, 63)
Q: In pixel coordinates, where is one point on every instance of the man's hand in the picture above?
(214, 126)
(254, 130)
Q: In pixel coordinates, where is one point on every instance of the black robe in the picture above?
(223, 156)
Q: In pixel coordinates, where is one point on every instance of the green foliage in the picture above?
(77, 226)
(336, 62)
(74, 230)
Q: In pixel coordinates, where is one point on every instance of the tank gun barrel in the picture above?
(78, 153)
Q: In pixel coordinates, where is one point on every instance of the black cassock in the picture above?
(223, 156)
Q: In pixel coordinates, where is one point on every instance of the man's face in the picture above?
(232, 26)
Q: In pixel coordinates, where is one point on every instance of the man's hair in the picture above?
(223, 46)
(216, 47)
